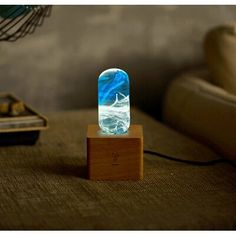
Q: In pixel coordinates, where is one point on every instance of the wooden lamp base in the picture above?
(115, 157)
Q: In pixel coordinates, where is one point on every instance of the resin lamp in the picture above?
(113, 101)
(114, 147)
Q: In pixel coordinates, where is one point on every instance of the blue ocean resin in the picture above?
(113, 101)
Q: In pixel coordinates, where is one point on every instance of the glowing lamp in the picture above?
(114, 101)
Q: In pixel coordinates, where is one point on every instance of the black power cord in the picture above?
(197, 163)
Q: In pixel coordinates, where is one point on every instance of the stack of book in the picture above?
(22, 128)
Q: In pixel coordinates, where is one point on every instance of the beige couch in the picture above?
(204, 111)
(204, 105)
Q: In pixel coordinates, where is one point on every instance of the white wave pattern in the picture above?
(115, 118)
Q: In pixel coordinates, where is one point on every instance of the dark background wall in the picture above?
(57, 67)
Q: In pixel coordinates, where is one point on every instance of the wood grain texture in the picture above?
(115, 157)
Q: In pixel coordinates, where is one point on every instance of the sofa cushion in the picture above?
(220, 53)
(204, 111)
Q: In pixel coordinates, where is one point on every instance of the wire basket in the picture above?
(18, 21)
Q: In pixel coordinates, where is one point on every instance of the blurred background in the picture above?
(57, 67)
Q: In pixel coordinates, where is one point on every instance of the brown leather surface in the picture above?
(45, 186)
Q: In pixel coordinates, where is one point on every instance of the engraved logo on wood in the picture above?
(115, 158)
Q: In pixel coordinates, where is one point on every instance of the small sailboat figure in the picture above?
(123, 101)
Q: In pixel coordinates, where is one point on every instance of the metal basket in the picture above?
(16, 21)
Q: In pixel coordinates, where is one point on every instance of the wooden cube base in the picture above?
(115, 157)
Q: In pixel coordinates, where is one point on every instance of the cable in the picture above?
(198, 163)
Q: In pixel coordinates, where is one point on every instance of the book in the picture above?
(27, 120)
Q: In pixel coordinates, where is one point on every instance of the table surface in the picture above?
(45, 186)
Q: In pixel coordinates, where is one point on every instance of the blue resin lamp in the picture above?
(114, 147)
(113, 101)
